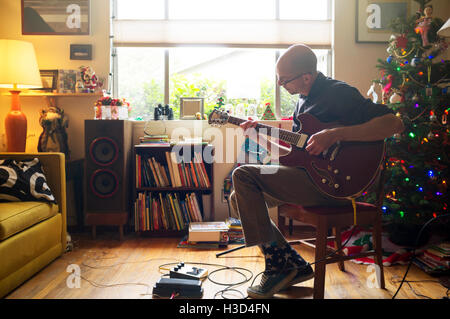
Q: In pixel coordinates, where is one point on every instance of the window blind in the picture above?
(315, 33)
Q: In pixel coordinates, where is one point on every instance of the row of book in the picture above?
(158, 211)
(434, 260)
(151, 173)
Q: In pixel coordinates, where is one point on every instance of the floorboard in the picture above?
(128, 269)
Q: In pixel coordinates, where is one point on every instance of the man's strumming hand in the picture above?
(321, 141)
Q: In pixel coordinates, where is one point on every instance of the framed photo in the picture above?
(374, 16)
(67, 80)
(189, 106)
(49, 80)
(55, 17)
(81, 52)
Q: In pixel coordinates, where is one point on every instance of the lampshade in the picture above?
(18, 65)
(444, 31)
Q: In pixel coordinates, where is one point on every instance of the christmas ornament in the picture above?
(424, 23)
(432, 116)
(374, 94)
(395, 98)
(389, 59)
(415, 61)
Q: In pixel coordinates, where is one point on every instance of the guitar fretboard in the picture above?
(284, 135)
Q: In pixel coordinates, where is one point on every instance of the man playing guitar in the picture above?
(327, 100)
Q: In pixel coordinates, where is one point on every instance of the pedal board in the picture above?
(187, 272)
(165, 287)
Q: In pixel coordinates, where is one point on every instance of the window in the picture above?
(164, 50)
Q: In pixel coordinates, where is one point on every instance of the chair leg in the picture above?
(376, 234)
(338, 246)
(320, 265)
(282, 224)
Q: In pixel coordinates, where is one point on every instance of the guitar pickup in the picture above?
(335, 151)
(302, 140)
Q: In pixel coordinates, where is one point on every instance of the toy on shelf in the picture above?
(89, 79)
(268, 113)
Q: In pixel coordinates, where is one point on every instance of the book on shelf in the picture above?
(155, 140)
(176, 172)
(170, 168)
(158, 211)
(208, 232)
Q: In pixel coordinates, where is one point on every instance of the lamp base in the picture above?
(15, 126)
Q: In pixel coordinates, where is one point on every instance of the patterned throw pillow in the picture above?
(23, 181)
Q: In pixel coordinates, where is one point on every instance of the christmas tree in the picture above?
(415, 84)
(268, 113)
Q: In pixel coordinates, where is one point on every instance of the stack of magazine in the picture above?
(435, 260)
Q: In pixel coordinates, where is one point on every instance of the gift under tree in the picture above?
(414, 83)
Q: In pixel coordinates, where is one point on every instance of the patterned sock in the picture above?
(275, 256)
(294, 259)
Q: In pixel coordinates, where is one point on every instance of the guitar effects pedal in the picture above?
(187, 272)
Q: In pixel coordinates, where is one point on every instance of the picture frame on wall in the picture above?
(55, 17)
(67, 80)
(374, 16)
(49, 79)
(81, 52)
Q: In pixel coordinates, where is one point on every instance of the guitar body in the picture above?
(346, 170)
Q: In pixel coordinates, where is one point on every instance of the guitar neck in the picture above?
(283, 135)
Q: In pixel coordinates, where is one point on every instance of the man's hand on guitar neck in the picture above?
(272, 147)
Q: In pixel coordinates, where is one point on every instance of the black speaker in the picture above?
(107, 172)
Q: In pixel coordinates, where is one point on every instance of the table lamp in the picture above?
(18, 70)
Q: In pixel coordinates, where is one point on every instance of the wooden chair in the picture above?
(336, 218)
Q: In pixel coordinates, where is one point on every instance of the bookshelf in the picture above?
(177, 188)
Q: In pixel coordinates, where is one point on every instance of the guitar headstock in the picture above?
(218, 117)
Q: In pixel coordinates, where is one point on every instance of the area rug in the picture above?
(361, 241)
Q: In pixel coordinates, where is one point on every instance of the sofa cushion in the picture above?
(17, 216)
(23, 181)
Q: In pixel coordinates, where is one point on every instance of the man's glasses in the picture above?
(283, 83)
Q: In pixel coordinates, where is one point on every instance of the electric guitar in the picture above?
(344, 170)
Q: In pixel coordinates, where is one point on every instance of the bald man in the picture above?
(329, 101)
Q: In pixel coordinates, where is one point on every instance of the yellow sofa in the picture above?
(32, 234)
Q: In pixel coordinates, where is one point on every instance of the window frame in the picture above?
(113, 83)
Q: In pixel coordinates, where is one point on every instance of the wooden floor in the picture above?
(128, 269)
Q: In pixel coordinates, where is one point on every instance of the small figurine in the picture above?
(89, 78)
(423, 24)
(54, 136)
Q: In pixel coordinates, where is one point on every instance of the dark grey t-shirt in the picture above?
(335, 101)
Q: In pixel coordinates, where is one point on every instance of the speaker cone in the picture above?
(104, 151)
(104, 183)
